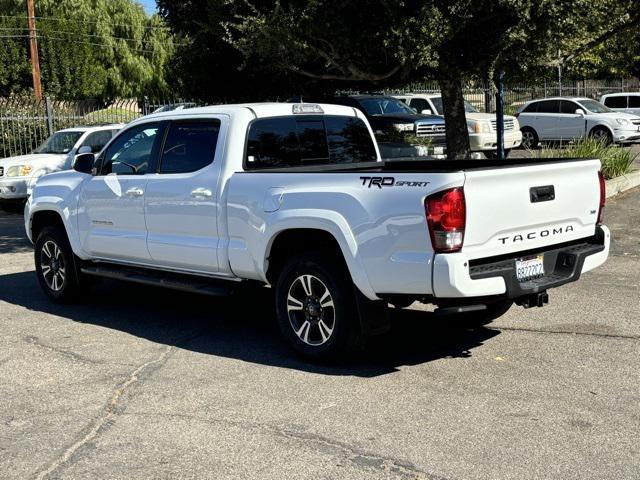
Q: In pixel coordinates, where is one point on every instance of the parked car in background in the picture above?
(387, 114)
(622, 102)
(18, 174)
(481, 126)
(568, 118)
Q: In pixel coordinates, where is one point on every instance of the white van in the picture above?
(623, 102)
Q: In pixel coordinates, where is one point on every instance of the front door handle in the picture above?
(135, 192)
(202, 192)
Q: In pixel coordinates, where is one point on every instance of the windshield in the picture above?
(59, 142)
(594, 107)
(470, 108)
(384, 105)
(437, 103)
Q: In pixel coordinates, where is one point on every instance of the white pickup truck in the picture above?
(297, 197)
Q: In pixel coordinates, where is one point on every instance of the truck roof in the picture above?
(259, 110)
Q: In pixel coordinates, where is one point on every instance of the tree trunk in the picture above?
(454, 115)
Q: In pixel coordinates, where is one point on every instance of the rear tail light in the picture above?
(603, 197)
(446, 218)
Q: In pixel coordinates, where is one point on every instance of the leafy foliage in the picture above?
(616, 161)
(88, 48)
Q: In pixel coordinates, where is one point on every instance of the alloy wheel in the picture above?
(311, 310)
(53, 266)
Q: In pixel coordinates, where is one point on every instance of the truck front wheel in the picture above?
(316, 308)
(55, 265)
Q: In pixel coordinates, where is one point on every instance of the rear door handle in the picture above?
(135, 192)
(202, 192)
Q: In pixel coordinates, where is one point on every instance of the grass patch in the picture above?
(616, 161)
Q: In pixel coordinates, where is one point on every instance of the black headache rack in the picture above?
(562, 264)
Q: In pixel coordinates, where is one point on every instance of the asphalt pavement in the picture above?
(137, 382)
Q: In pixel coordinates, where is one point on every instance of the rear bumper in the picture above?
(454, 276)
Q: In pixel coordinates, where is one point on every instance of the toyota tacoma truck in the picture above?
(297, 197)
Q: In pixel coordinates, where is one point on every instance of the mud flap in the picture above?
(373, 315)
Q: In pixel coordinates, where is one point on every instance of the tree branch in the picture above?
(635, 21)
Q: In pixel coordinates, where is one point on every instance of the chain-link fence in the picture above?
(26, 122)
(483, 96)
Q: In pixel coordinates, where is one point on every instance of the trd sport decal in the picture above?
(389, 182)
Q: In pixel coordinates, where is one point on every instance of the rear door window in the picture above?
(189, 146)
(299, 141)
(616, 102)
(549, 106)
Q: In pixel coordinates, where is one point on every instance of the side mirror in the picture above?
(84, 149)
(426, 111)
(580, 112)
(84, 163)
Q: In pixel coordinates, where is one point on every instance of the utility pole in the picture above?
(33, 45)
(500, 115)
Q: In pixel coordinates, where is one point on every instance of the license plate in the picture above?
(529, 268)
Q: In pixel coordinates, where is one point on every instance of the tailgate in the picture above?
(519, 208)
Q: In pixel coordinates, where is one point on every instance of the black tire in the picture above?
(295, 307)
(484, 317)
(56, 266)
(530, 139)
(602, 134)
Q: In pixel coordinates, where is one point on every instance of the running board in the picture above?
(175, 281)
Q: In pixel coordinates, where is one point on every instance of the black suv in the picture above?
(389, 115)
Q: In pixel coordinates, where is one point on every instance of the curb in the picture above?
(620, 184)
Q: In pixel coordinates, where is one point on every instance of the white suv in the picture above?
(19, 174)
(622, 102)
(481, 126)
(569, 118)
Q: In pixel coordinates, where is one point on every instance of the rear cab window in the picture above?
(619, 101)
(296, 141)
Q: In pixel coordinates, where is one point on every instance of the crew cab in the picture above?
(296, 196)
(569, 118)
(19, 173)
(481, 126)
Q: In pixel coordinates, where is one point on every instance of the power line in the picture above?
(83, 21)
(47, 37)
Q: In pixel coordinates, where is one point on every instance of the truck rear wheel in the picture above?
(55, 265)
(316, 308)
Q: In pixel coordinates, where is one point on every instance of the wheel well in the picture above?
(293, 242)
(601, 127)
(44, 219)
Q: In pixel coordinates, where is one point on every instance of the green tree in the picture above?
(322, 45)
(88, 48)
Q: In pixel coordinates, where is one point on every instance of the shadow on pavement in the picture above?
(13, 238)
(241, 326)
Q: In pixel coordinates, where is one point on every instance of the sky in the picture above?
(149, 6)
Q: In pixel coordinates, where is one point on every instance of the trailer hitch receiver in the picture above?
(539, 299)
